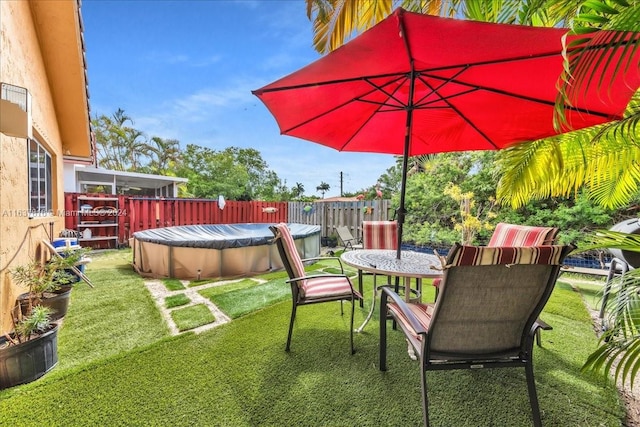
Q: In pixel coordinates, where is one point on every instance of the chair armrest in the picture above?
(404, 308)
(539, 324)
(315, 276)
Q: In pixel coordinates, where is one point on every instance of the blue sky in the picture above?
(185, 70)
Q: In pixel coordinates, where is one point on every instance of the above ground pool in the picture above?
(216, 251)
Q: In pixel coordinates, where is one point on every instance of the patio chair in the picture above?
(517, 235)
(311, 289)
(378, 235)
(485, 316)
(347, 238)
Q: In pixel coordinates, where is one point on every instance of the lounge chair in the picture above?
(485, 316)
(348, 241)
(311, 289)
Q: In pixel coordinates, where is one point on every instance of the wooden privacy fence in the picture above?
(139, 213)
(329, 215)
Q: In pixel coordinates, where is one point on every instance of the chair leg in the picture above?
(360, 288)
(423, 388)
(293, 317)
(533, 397)
(383, 332)
(353, 307)
(396, 287)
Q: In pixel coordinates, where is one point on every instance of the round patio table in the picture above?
(411, 265)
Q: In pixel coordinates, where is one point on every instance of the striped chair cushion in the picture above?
(462, 256)
(320, 287)
(422, 312)
(485, 255)
(522, 235)
(293, 257)
(518, 235)
(380, 234)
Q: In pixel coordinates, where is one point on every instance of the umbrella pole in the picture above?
(403, 185)
(405, 161)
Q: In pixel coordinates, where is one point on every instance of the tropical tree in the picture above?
(119, 146)
(163, 155)
(297, 190)
(212, 173)
(323, 188)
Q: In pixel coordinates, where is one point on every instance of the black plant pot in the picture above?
(28, 361)
(331, 242)
(57, 301)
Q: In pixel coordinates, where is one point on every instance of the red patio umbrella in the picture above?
(418, 84)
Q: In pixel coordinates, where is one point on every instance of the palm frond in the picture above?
(620, 343)
(527, 171)
(603, 239)
(336, 21)
(604, 159)
(587, 64)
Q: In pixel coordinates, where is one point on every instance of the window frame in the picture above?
(40, 176)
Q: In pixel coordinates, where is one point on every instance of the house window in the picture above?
(40, 193)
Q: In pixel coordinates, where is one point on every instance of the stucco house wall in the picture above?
(41, 49)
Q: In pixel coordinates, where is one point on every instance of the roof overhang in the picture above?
(126, 179)
(59, 28)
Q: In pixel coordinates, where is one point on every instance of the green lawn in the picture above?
(118, 366)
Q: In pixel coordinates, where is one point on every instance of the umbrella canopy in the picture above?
(418, 84)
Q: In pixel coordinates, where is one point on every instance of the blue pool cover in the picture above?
(220, 236)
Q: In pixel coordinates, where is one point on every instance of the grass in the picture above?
(176, 300)
(239, 374)
(252, 296)
(114, 317)
(193, 283)
(192, 317)
(173, 284)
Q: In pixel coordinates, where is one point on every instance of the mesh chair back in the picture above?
(490, 297)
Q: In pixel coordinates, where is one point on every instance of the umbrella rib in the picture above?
(511, 94)
(337, 107)
(379, 109)
(419, 103)
(390, 95)
(261, 91)
(469, 122)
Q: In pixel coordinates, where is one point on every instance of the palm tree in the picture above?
(603, 161)
(323, 188)
(163, 153)
(119, 146)
(297, 190)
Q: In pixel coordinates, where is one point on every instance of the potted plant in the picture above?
(31, 350)
(330, 241)
(48, 283)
